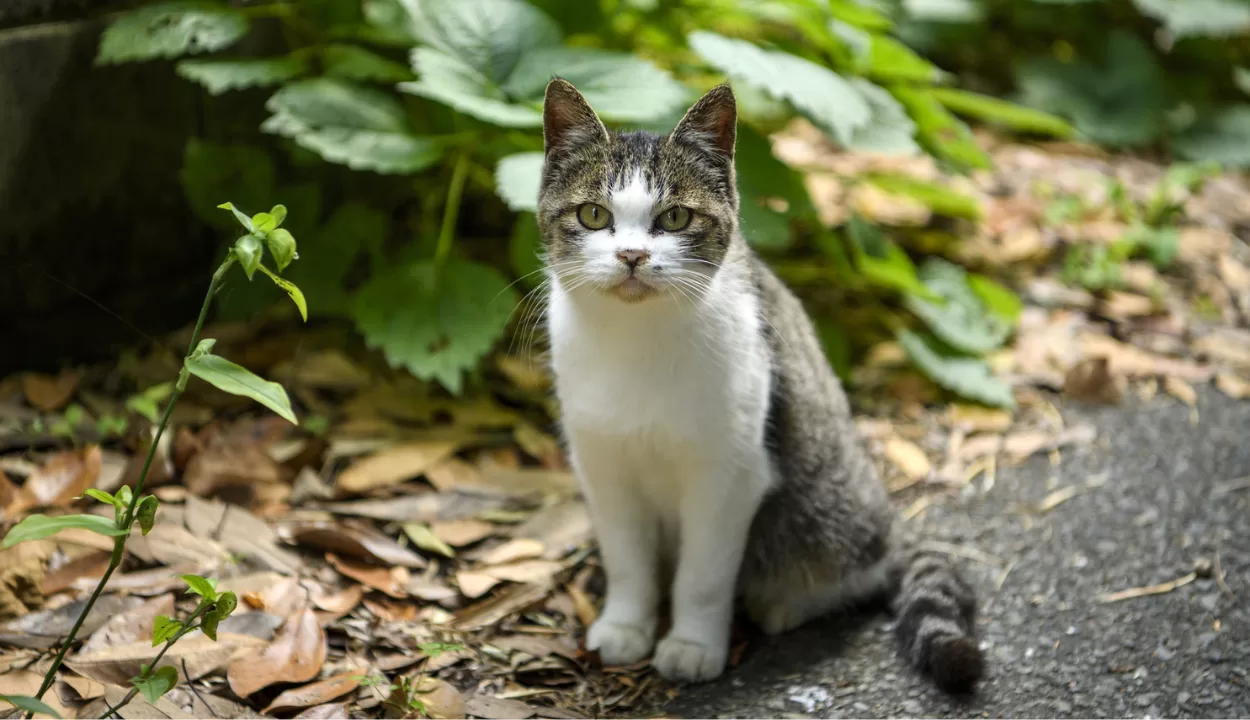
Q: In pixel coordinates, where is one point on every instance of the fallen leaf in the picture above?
(539, 445)
(332, 711)
(499, 606)
(475, 584)
(240, 532)
(1020, 445)
(8, 491)
(316, 693)
(426, 507)
(25, 682)
(1090, 381)
(131, 626)
(539, 646)
(510, 551)
(423, 537)
(170, 544)
(339, 603)
(65, 476)
(561, 528)
(138, 708)
(525, 373)
(391, 610)
(49, 393)
(86, 688)
(1159, 589)
(116, 665)
(21, 577)
(232, 470)
(439, 698)
(976, 418)
(493, 708)
(1234, 386)
(1119, 305)
(296, 654)
(459, 533)
(529, 481)
(90, 566)
(393, 465)
(357, 542)
(1197, 245)
(585, 609)
(391, 581)
(885, 208)
(525, 571)
(328, 369)
(908, 458)
(1181, 390)
(453, 473)
(46, 628)
(1134, 362)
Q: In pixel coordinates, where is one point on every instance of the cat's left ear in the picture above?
(712, 123)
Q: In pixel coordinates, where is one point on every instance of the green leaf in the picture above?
(352, 125)
(350, 62)
(1001, 112)
(30, 705)
(37, 527)
(969, 377)
(170, 29)
(226, 603)
(1223, 137)
(434, 649)
(435, 322)
(517, 178)
(880, 262)
(890, 131)
(248, 251)
(243, 219)
(958, 317)
(1241, 78)
(941, 199)
(104, 497)
(163, 629)
(331, 251)
(202, 586)
(146, 513)
(1199, 18)
(889, 60)
(238, 380)
(762, 181)
(263, 223)
(156, 684)
(939, 132)
(854, 13)
(943, 11)
(487, 36)
(1160, 244)
(997, 298)
(452, 82)
(282, 247)
(525, 248)
(297, 297)
(208, 626)
(211, 171)
(424, 538)
(219, 76)
(124, 495)
(816, 91)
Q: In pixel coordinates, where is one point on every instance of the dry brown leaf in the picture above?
(539, 445)
(116, 665)
(885, 208)
(328, 369)
(46, 628)
(453, 473)
(1234, 386)
(459, 533)
(129, 627)
(908, 458)
(440, 699)
(501, 605)
(431, 589)
(49, 393)
(25, 682)
(525, 571)
(528, 374)
(1119, 305)
(332, 711)
(1134, 362)
(562, 528)
(1197, 245)
(8, 491)
(296, 654)
(474, 585)
(357, 542)
(88, 567)
(233, 470)
(390, 609)
(61, 479)
(494, 708)
(1159, 589)
(510, 551)
(1230, 345)
(529, 481)
(139, 708)
(539, 646)
(585, 609)
(426, 507)
(170, 544)
(1018, 446)
(339, 603)
(86, 688)
(285, 597)
(976, 418)
(394, 465)
(391, 581)
(316, 693)
(1090, 381)
(1181, 390)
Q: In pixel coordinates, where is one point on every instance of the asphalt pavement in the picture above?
(1159, 494)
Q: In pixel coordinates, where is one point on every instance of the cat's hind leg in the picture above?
(789, 599)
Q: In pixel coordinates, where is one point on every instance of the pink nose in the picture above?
(633, 258)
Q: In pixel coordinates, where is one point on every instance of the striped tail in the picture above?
(936, 612)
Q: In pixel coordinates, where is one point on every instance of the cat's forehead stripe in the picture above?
(633, 203)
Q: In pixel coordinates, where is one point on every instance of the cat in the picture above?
(713, 443)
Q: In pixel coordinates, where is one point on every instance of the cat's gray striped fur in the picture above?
(703, 420)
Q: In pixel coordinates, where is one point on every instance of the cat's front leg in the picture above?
(716, 513)
(626, 529)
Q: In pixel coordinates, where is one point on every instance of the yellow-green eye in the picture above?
(594, 217)
(675, 218)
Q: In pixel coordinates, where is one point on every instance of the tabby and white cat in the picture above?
(714, 445)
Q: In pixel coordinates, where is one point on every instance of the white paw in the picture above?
(620, 643)
(683, 660)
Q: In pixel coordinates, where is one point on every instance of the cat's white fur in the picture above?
(663, 405)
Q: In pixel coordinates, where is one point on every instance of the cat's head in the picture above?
(636, 215)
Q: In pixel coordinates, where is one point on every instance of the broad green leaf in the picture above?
(170, 29)
(517, 178)
(282, 246)
(30, 705)
(156, 684)
(278, 212)
(225, 605)
(853, 12)
(435, 322)
(424, 538)
(219, 76)
(208, 625)
(837, 351)
(263, 223)
(238, 380)
(297, 297)
(454, 83)
(945, 11)
(941, 199)
(146, 513)
(525, 248)
(939, 132)
(243, 219)
(890, 131)
(1199, 18)
(881, 262)
(1002, 112)
(488, 36)
(212, 171)
(1241, 78)
(763, 180)
(888, 60)
(997, 298)
(331, 251)
(202, 586)
(350, 62)
(966, 376)
(959, 317)
(821, 94)
(124, 495)
(37, 527)
(1160, 244)
(1223, 137)
(352, 125)
(248, 251)
(163, 629)
(434, 649)
(104, 497)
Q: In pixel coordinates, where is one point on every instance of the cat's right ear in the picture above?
(568, 120)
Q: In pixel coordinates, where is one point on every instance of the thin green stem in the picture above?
(127, 519)
(187, 627)
(451, 209)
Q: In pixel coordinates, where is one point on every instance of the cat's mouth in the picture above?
(632, 289)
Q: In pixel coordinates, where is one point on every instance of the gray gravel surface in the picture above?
(1054, 650)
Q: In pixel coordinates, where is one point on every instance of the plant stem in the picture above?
(127, 519)
(451, 209)
(187, 627)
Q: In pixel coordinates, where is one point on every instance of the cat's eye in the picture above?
(675, 218)
(594, 217)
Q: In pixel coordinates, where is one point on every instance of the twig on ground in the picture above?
(1159, 589)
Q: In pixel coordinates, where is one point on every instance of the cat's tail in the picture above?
(935, 611)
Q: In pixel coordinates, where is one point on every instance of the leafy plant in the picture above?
(263, 232)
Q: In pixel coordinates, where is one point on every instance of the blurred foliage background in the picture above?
(405, 137)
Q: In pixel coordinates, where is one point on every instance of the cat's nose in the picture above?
(633, 258)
